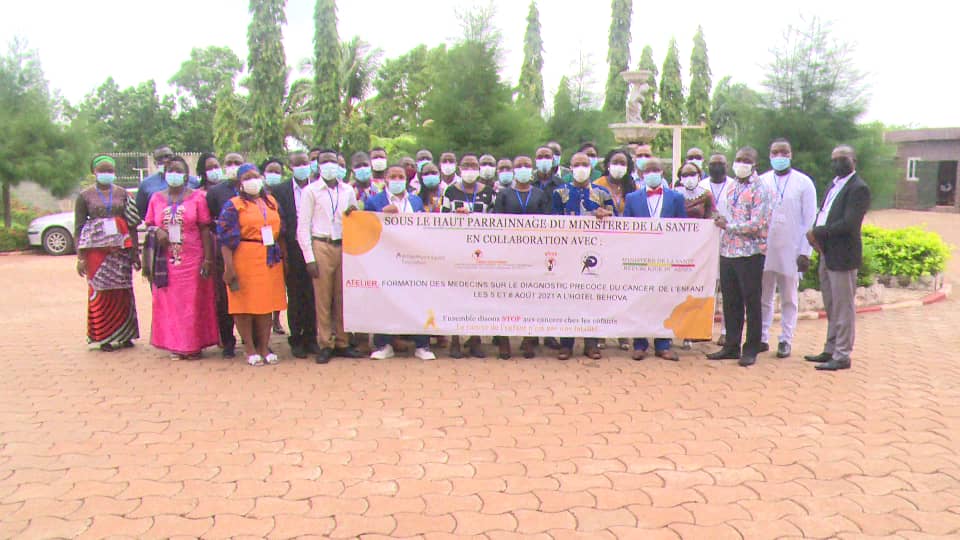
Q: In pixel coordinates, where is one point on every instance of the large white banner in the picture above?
(520, 275)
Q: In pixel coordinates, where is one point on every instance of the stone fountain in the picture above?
(636, 129)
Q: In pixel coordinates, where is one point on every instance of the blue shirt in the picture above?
(381, 200)
(150, 185)
(573, 200)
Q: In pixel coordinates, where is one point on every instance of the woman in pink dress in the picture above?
(181, 242)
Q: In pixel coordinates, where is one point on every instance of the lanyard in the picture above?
(523, 204)
(263, 210)
(334, 205)
(107, 202)
(785, 183)
(716, 196)
(738, 192)
(655, 211)
(174, 206)
(402, 208)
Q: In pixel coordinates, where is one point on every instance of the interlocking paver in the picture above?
(132, 444)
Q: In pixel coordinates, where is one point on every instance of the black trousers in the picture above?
(740, 283)
(224, 320)
(301, 307)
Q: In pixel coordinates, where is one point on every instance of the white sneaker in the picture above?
(272, 359)
(424, 353)
(255, 360)
(384, 353)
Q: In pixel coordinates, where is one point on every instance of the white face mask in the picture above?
(618, 171)
(378, 164)
(697, 162)
(448, 168)
(469, 176)
(230, 172)
(690, 182)
(253, 186)
(488, 171)
(742, 170)
(581, 174)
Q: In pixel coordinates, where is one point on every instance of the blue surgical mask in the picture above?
(556, 161)
(329, 170)
(273, 179)
(593, 162)
(314, 167)
(106, 178)
(174, 179)
(301, 172)
(214, 175)
(780, 163)
(397, 187)
(653, 180)
(523, 174)
(505, 177)
(544, 165)
(640, 162)
(421, 163)
(363, 174)
(341, 172)
(431, 180)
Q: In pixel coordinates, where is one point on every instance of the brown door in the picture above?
(947, 183)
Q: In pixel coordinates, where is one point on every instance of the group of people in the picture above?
(238, 243)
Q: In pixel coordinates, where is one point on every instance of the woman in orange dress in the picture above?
(249, 233)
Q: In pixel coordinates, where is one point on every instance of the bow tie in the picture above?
(658, 191)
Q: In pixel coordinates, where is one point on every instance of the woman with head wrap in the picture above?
(178, 233)
(249, 233)
(106, 222)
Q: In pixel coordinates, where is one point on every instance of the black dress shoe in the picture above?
(724, 354)
(747, 360)
(298, 351)
(229, 352)
(324, 356)
(313, 348)
(764, 347)
(819, 358)
(551, 343)
(783, 350)
(346, 352)
(834, 365)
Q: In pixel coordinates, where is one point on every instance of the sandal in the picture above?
(255, 360)
(272, 359)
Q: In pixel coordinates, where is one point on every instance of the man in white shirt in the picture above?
(793, 209)
(320, 236)
(718, 183)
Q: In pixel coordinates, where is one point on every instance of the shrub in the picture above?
(13, 239)
(912, 251)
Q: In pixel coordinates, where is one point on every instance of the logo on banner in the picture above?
(590, 262)
(550, 260)
(477, 255)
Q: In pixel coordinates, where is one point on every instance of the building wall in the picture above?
(938, 150)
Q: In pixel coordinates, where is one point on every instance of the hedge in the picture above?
(13, 240)
(909, 252)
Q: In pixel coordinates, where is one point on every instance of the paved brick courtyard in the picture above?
(133, 444)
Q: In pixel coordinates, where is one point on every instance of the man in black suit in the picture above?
(836, 236)
(301, 308)
(217, 196)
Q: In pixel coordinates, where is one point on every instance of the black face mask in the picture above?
(718, 172)
(841, 166)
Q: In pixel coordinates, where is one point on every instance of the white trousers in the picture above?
(787, 285)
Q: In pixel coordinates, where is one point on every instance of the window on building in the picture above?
(912, 169)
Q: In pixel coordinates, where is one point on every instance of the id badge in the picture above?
(110, 227)
(266, 233)
(174, 233)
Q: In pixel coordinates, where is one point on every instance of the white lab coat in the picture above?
(792, 215)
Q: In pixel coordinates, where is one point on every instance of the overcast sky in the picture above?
(906, 50)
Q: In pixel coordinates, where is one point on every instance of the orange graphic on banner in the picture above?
(693, 319)
(361, 232)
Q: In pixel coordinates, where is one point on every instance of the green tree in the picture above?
(135, 119)
(469, 106)
(268, 75)
(228, 122)
(402, 85)
(37, 144)
(531, 76)
(575, 118)
(735, 108)
(649, 109)
(671, 95)
(698, 102)
(326, 73)
(618, 56)
(198, 82)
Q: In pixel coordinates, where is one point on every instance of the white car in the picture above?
(54, 233)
